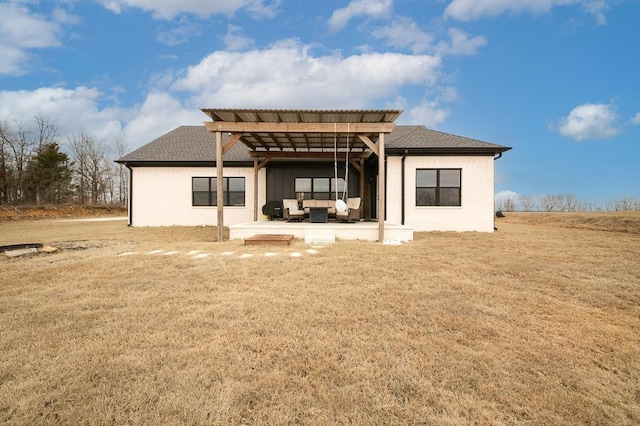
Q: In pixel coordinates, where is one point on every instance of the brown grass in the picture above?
(597, 221)
(532, 324)
(57, 211)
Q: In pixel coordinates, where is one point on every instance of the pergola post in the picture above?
(381, 188)
(255, 189)
(219, 186)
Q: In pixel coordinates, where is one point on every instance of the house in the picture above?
(429, 181)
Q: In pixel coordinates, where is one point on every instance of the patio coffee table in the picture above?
(318, 214)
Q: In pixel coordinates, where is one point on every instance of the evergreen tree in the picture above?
(48, 175)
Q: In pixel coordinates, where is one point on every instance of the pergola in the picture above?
(311, 134)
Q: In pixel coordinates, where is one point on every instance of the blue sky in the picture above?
(558, 80)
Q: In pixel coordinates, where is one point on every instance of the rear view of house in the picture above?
(409, 175)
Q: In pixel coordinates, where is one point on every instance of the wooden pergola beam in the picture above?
(230, 142)
(369, 143)
(268, 127)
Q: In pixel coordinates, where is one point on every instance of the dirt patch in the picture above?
(11, 213)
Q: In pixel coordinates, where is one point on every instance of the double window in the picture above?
(205, 191)
(438, 187)
(318, 188)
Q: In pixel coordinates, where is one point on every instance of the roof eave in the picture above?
(142, 163)
(425, 151)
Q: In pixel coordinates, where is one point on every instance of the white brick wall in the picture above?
(476, 212)
(162, 196)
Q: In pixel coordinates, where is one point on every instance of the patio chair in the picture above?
(291, 211)
(352, 213)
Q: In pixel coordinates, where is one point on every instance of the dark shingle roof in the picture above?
(185, 144)
(419, 137)
(195, 144)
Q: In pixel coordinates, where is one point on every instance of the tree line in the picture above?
(37, 168)
(561, 203)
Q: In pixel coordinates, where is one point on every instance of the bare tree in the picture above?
(90, 168)
(527, 202)
(623, 204)
(550, 203)
(571, 203)
(123, 175)
(19, 146)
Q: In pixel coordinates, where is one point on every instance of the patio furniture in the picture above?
(273, 209)
(318, 214)
(352, 213)
(308, 203)
(291, 211)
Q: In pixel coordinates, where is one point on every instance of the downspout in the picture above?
(404, 157)
(495, 228)
(130, 195)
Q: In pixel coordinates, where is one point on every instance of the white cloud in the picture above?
(404, 33)
(468, 10)
(372, 8)
(288, 75)
(235, 39)
(507, 195)
(159, 114)
(428, 113)
(20, 32)
(179, 34)
(70, 109)
(78, 109)
(597, 9)
(636, 119)
(167, 9)
(460, 44)
(590, 121)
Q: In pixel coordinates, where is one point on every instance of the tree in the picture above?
(527, 202)
(123, 176)
(90, 168)
(48, 175)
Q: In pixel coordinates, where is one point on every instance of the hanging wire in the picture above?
(335, 156)
(346, 167)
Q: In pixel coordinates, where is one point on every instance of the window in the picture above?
(205, 191)
(318, 188)
(438, 187)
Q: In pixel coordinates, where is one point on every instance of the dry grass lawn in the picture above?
(538, 323)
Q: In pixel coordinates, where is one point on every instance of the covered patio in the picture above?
(351, 135)
(321, 232)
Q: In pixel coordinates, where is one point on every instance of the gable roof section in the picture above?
(196, 145)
